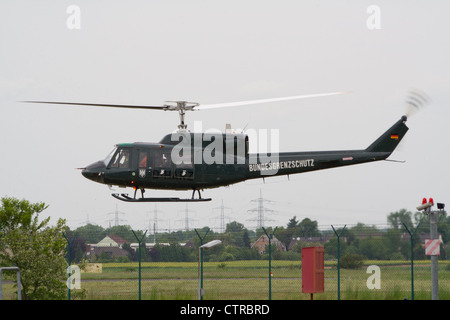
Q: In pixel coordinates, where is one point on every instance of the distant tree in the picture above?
(175, 252)
(236, 234)
(353, 235)
(234, 227)
(332, 245)
(307, 228)
(444, 229)
(154, 254)
(77, 249)
(398, 218)
(286, 235)
(35, 247)
(133, 255)
(246, 239)
(373, 248)
(123, 231)
(90, 233)
(292, 224)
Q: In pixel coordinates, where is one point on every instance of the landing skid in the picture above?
(125, 197)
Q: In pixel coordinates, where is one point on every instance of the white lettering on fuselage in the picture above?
(290, 164)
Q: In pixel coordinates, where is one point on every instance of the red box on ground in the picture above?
(312, 270)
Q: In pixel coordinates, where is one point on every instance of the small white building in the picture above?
(111, 241)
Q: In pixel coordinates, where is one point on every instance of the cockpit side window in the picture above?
(142, 159)
(121, 159)
(162, 159)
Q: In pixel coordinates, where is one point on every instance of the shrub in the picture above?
(226, 256)
(351, 261)
(221, 265)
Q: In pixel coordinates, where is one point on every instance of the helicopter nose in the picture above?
(95, 171)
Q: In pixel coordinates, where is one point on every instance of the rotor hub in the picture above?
(181, 107)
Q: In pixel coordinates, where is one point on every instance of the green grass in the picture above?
(249, 280)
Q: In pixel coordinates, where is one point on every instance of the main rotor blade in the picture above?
(243, 103)
(183, 105)
(101, 105)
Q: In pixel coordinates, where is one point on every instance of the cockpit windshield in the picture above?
(121, 159)
(109, 156)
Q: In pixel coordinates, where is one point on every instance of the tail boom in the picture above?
(298, 162)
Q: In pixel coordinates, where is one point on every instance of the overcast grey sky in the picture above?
(147, 52)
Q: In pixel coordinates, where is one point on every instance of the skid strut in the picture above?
(126, 198)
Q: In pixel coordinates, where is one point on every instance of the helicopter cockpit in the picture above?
(118, 158)
(121, 159)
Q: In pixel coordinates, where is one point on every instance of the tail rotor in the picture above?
(415, 101)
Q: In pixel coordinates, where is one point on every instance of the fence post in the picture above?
(139, 257)
(411, 235)
(69, 244)
(19, 291)
(200, 258)
(270, 259)
(339, 258)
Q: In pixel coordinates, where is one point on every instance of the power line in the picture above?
(116, 220)
(261, 211)
(155, 222)
(186, 218)
(222, 216)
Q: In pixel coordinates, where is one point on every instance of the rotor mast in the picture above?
(181, 107)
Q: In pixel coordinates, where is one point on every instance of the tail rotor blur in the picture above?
(415, 101)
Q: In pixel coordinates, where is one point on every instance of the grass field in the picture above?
(249, 280)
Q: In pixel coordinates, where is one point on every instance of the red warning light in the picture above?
(424, 200)
(431, 201)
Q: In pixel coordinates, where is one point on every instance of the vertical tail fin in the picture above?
(389, 140)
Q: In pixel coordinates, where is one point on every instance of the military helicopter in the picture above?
(185, 160)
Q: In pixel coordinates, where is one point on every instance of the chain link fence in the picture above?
(360, 263)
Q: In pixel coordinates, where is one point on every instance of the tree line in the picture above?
(41, 250)
(392, 242)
